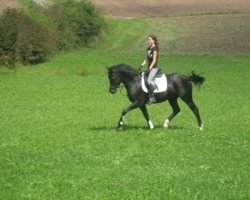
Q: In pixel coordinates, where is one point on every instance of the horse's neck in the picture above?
(129, 81)
(127, 77)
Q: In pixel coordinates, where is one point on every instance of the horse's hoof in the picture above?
(201, 128)
(165, 125)
(119, 129)
(150, 124)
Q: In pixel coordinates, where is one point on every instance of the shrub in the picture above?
(8, 37)
(35, 44)
(77, 23)
(31, 36)
(22, 40)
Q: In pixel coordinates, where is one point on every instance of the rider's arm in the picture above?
(144, 62)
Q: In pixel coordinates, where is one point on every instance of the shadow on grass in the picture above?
(136, 127)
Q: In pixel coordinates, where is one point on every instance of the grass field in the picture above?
(58, 120)
(58, 138)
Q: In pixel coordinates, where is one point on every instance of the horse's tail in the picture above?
(196, 79)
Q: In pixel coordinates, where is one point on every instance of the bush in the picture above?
(35, 44)
(31, 36)
(8, 37)
(77, 23)
(22, 40)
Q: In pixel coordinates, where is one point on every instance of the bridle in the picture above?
(118, 82)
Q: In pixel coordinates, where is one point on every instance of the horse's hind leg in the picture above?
(189, 101)
(145, 113)
(176, 109)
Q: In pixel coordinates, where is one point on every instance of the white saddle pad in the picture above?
(160, 82)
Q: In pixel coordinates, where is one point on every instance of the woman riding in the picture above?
(151, 60)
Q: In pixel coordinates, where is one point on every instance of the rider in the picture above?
(152, 58)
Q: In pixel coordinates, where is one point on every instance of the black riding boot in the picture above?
(151, 94)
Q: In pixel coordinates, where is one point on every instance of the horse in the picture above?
(178, 86)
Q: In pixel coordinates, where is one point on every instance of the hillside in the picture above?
(224, 34)
(220, 27)
(8, 4)
(139, 8)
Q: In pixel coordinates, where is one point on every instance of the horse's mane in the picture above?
(125, 68)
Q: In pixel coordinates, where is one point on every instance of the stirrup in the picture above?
(151, 100)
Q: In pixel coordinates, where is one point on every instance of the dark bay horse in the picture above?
(178, 86)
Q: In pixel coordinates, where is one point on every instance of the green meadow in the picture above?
(58, 120)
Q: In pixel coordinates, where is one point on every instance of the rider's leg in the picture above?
(151, 85)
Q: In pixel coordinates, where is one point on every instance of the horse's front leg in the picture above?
(133, 106)
(145, 113)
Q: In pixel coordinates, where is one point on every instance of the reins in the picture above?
(120, 87)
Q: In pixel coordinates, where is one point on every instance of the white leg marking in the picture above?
(201, 127)
(122, 120)
(165, 125)
(151, 126)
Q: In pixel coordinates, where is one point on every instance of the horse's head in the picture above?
(114, 80)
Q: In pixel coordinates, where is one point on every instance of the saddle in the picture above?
(157, 75)
(160, 81)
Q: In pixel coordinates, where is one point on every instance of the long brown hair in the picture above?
(156, 41)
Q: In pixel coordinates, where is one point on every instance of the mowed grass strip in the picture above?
(211, 34)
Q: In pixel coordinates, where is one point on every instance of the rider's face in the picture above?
(150, 41)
